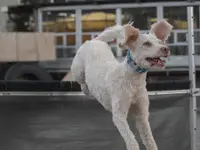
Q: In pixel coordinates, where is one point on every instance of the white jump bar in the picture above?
(152, 93)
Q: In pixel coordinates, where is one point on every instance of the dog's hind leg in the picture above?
(85, 90)
(77, 69)
(78, 72)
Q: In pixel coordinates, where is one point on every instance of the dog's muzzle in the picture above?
(165, 51)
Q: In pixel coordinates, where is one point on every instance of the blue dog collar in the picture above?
(133, 65)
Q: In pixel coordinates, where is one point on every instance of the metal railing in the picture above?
(178, 42)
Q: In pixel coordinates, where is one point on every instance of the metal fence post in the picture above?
(159, 12)
(78, 22)
(118, 22)
(192, 76)
(39, 20)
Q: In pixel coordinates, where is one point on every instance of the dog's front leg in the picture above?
(141, 114)
(120, 110)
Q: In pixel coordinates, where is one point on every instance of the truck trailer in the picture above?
(74, 22)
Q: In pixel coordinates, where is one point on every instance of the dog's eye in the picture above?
(148, 44)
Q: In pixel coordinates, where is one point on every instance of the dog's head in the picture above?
(148, 50)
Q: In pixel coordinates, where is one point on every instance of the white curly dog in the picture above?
(121, 86)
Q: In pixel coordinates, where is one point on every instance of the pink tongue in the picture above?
(160, 62)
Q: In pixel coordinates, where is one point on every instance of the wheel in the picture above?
(23, 71)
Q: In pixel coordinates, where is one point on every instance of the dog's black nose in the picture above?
(165, 49)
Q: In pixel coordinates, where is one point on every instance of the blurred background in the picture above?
(74, 22)
(73, 26)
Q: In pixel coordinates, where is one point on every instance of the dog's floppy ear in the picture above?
(161, 29)
(130, 36)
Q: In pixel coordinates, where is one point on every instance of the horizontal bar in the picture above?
(114, 6)
(153, 93)
(71, 86)
(169, 44)
(142, 31)
(171, 92)
(41, 93)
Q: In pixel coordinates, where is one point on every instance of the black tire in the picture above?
(29, 71)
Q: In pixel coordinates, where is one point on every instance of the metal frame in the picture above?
(114, 6)
(151, 93)
(78, 24)
(159, 12)
(40, 17)
(193, 91)
(192, 73)
(118, 22)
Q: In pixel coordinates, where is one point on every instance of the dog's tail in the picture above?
(112, 33)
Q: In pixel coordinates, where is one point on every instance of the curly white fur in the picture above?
(117, 86)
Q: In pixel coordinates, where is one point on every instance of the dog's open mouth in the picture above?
(156, 61)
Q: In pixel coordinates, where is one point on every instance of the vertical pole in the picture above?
(78, 25)
(192, 76)
(160, 12)
(199, 17)
(35, 15)
(118, 22)
(39, 22)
